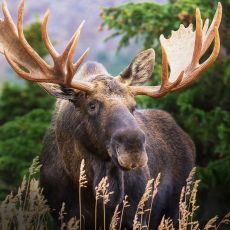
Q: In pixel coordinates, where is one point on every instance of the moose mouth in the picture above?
(128, 160)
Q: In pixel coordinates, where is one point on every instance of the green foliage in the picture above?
(25, 113)
(31, 96)
(20, 141)
(33, 35)
(203, 109)
(146, 21)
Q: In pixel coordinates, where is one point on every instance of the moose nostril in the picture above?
(133, 166)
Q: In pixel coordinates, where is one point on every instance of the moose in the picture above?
(96, 119)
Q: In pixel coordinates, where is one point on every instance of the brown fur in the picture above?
(104, 129)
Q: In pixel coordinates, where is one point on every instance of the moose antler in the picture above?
(28, 64)
(182, 52)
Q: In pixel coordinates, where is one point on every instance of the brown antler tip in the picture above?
(4, 8)
(45, 20)
(87, 50)
(219, 10)
(81, 59)
(74, 44)
(197, 10)
(4, 3)
(21, 4)
(198, 16)
(20, 13)
(219, 5)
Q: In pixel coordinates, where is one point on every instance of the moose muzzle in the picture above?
(129, 148)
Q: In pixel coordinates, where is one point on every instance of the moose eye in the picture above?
(132, 109)
(92, 107)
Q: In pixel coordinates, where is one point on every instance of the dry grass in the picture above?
(115, 219)
(82, 184)
(27, 209)
(73, 223)
(102, 192)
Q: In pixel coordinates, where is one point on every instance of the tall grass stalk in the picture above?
(62, 216)
(125, 205)
(141, 207)
(115, 219)
(102, 192)
(82, 184)
(104, 215)
(33, 169)
(95, 214)
(154, 193)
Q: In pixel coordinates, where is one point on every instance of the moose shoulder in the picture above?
(95, 119)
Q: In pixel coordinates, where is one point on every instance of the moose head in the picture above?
(106, 104)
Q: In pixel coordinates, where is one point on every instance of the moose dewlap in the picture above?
(95, 119)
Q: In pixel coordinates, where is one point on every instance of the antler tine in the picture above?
(198, 40)
(65, 54)
(55, 55)
(209, 35)
(214, 54)
(205, 26)
(43, 65)
(7, 16)
(80, 60)
(59, 62)
(165, 71)
(45, 37)
(72, 68)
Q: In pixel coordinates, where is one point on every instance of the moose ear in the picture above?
(140, 69)
(59, 91)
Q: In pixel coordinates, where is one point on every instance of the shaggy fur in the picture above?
(128, 146)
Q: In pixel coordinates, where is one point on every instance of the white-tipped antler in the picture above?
(182, 52)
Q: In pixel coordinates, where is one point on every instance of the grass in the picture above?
(28, 209)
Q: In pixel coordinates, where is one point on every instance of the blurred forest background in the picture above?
(203, 110)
